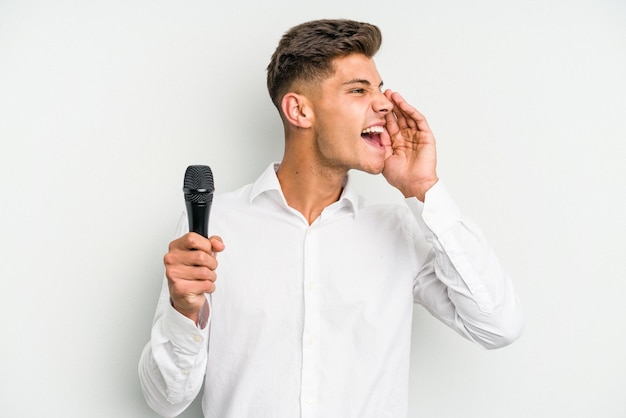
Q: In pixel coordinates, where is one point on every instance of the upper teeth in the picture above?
(373, 129)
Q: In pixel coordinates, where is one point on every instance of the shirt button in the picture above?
(427, 216)
(309, 400)
(197, 338)
(185, 372)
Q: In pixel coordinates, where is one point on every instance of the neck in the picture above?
(308, 188)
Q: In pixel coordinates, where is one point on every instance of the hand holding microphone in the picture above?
(191, 260)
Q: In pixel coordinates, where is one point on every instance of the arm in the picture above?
(173, 363)
(461, 281)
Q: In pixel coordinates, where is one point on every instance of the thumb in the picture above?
(217, 245)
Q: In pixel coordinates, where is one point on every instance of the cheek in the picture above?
(341, 121)
(338, 127)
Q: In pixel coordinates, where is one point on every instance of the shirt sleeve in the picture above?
(173, 363)
(461, 281)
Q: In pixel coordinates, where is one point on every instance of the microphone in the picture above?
(198, 188)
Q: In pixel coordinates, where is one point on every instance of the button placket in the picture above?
(311, 370)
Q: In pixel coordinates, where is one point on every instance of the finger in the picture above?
(398, 114)
(217, 244)
(404, 112)
(181, 273)
(414, 118)
(198, 274)
(198, 259)
(391, 122)
(191, 241)
(192, 258)
(186, 288)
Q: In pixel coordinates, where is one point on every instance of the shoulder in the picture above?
(395, 210)
(238, 196)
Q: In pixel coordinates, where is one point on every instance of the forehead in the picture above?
(355, 67)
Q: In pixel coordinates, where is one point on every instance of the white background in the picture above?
(103, 104)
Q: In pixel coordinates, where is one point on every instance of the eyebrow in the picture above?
(361, 81)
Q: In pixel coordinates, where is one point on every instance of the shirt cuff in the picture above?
(182, 332)
(438, 211)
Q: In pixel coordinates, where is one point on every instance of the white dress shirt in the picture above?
(315, 320)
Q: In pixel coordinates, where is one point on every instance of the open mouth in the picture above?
(372, 135)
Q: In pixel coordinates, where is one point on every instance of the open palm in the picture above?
(411, 166)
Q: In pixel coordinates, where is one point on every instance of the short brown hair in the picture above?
(306, 52)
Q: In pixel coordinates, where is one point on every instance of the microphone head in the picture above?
(198, 185)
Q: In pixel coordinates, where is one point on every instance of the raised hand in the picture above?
(411, 167)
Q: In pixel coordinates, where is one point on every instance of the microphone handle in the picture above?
(198, 216)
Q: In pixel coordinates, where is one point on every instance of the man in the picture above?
(311, 316)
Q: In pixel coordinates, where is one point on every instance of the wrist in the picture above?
(419, 189)
(192, 314)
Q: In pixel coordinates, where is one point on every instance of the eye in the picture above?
(358, 91)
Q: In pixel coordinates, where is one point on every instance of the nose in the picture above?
(382, 104)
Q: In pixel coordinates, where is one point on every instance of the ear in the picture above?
(297, 111)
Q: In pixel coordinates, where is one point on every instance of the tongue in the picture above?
(372, 138)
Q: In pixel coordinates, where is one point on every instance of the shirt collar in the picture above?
(268, 183)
